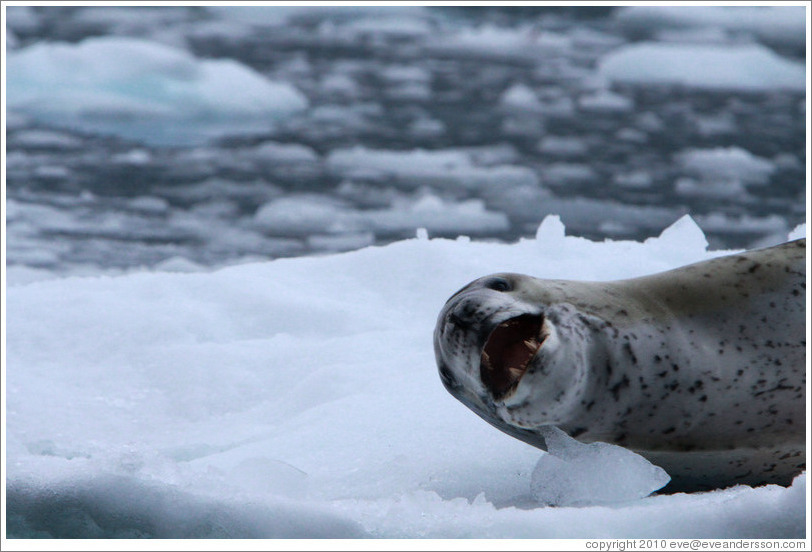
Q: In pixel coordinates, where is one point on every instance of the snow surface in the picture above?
(299, 398)
(714, 67)
(87, 85)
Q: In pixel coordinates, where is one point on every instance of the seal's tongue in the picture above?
(508, 351)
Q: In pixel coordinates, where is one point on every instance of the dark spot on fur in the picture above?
(615, 389)
(628, 348)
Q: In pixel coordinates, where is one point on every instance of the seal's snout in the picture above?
(508, 351)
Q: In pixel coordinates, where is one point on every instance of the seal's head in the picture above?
(512, 353)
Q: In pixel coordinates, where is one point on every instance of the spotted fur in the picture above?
(701, 369)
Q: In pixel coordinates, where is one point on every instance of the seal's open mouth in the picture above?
(508, 351)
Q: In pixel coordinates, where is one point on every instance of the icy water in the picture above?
(271, 133)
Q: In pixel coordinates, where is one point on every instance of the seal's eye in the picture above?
(498, 284)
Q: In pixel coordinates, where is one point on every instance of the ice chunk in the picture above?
(550, 229)
(605, 101)
(726, 164)
(637, 179)
(684, 233)
(454, 169)
(162, 94)
(797, 233)
(725, 188)
(745, 224)
(45, 140)
(520, 97)
(563, 146)
(782, 25)
(275, 152)
(302, 214)
(401, 26)
(340, 85)
(435, 215)
(522, 45)
(749, 68)
(575, 474)
(564, 174)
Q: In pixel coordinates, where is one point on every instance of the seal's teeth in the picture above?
(516, 372)
(544, 333)
(531, 344)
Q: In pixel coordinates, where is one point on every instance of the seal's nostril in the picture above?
(455, 320)
(498, 284)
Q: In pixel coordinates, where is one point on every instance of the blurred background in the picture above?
(189, 138)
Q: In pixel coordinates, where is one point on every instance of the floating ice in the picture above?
(46, 140)
(563, 174)
(452, 169)
(161, 94)
(308, 214)
(520, 97)
(742, 67)
(296, 215)
(524, 44)
(577, 474)
(605, 101)
(435, 215)
(280, 15)
(783, 26)
(717, 189)
(720, 222)
(726, 164)
(563, 146)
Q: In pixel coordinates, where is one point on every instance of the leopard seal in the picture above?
(700, 369)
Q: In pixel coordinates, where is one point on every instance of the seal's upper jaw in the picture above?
(508, 352)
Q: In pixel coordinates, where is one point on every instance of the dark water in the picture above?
(82, 200)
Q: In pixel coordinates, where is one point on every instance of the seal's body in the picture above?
(701, 369)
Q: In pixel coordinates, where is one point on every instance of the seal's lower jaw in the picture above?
(508, 352)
